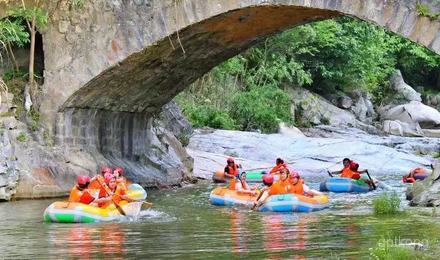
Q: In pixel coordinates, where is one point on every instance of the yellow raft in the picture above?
(72, 212)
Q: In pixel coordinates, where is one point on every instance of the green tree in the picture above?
(12, 33)
(35, 18)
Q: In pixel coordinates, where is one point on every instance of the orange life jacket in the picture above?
(232, 184)
(94, 185)
(103, 193)
(277, 188)
(419, 170)
(122, 182)
(232, 170)
(81, 196)
(347, 172)
(297, 188)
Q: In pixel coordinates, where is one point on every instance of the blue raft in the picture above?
(338, 184)
(276, 203)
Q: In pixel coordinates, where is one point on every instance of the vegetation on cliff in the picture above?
(333, 56)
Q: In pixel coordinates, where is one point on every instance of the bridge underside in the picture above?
(147, 80)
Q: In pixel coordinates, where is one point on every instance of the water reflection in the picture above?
(87, 240)
(275, 234)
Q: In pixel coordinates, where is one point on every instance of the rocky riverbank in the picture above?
(310, 155)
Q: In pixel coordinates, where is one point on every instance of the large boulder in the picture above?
(311, 108)
(414, 113)
(404, 91)
(289, 130)
(426, 193)
(344, 102)
(396, 127)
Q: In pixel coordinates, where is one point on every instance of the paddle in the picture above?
(147, 204)
(372, 182)
(329, 173)
(116, 204)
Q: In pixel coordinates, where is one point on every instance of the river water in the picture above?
(183, 225)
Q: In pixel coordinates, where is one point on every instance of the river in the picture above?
(183, 224)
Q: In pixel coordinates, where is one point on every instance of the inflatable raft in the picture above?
(276, 203)
(338, 184)
(136, 192)
(71, 212)
(251, 177)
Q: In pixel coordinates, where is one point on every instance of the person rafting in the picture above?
(271, 188)
(80, 193)
(231, 171)
(264, 192)
(99, 178)
(120, 180)
(296, 185)
(411, 177)
(280, 164)
(351, 171)
(242, 187)
(110, 192)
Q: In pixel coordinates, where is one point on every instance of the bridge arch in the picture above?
(166, 45)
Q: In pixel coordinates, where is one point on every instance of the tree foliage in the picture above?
(337, 55)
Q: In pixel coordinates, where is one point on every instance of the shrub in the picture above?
(390, 252)
(261, 108)
(386, 204)
(207, 115)
(21, 137)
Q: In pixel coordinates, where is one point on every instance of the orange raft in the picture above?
(277, 203)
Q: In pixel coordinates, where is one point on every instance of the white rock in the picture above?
(413, 112)
(290, 130)
(398, 84)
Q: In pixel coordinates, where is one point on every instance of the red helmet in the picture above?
(119, 170)
(230, 160)
(106, 169)
(82, 180)
(108, 177)
(268, 178)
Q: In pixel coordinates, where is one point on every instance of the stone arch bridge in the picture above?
(135, 56)
(113, 64)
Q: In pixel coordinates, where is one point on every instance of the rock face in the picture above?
(174, 121)
(362, 107)
(151, 155)
(311, 156)
(396, 127)
(426, 193)
(344, 102)
(312, 108)
(8, 174)
(410, 119)
(405, 92)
